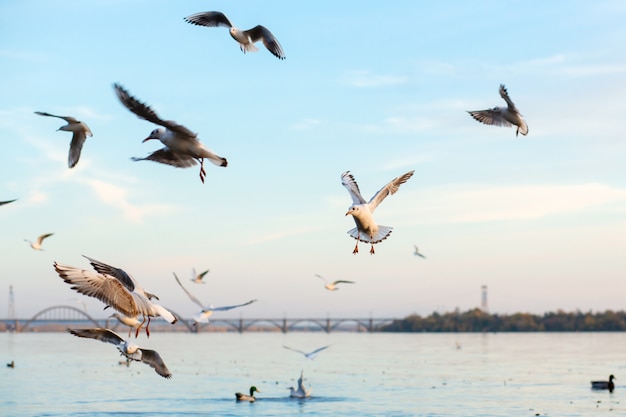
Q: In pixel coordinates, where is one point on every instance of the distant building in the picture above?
(484, 305)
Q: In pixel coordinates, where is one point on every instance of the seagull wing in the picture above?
(103, 287)
(505, 96)
(42, 237)
(166, 156)
(389, 189)
(343, 282)
(2, 203)
(201, 275)
(322, 278)
(68, 119)
(348, 181)
(152, 358)
(209, 19)
(76, 146)
(316, 351)
(116, 273)
(190, 295)
(490, 117)
(143, 111)
(225, 308)
(271, 43)
(103, 335)
(295, 350)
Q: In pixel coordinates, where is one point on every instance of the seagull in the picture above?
(243, 397)
(117, 289)
(301, 392)
(11, 364)
(2, 203)
(131, 322)
(203, 316)
(333, 285)
(366, 229)
(610, 385)
(197, 278)
(182, 147)
(309, 355)
(129, 350)
(417, 252)
(501, 116)
(245, 38)
(79, 134)
(37, 244)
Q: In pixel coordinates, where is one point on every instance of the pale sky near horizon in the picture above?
(377, 89)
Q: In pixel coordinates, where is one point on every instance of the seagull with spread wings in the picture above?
(417, 252)
(245, 38)
(79, 130)
(333, 285)
(502, 116)
(129, 350)
(207, 311)
(117, 289)
(182, 147)
(367, 230)
(37, 243)
(309, 355)
(197, 278)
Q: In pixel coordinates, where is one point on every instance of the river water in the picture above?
(360, 374)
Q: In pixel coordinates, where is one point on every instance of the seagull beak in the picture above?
(347, 213)
(147, 139)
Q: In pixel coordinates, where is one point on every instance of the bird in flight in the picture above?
(182, 147)
(129, 350)
(37, 243)
(367, 230)
(502, 116)
(79, 130)
(309, 355)
(2, 203)
(333, 285)
(245, 38)
(197, 278)
(417, 252)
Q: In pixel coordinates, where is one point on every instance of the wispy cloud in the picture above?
(366, 79)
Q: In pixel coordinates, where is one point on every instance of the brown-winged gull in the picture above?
(115, 288)
(332, 286)
(182, 147)
(367, 230)
(245, 38)
(37, 243)
(207, 311)
(502, 116)
(129, 350)
(79, 134)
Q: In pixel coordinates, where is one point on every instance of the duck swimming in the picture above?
(604, 384)
(243, 397)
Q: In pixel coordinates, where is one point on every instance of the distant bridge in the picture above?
(64, 315)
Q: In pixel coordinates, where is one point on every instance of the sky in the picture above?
(378, 91)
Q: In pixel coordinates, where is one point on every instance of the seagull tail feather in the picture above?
(382, 234)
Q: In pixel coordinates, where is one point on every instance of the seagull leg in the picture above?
(372, 249)
(356, 248)
(139, 327)
(148, 327)
(202, 171)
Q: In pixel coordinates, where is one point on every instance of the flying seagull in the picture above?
(205, 313)
(366, 229)
(79, 134)
(417, 252)
(333, 285)
(182, 147)
(2, 203)
(501, 116)
(37, 244)
(131, 322)
(129, 350)
(308, 355)
(301, 392)
(245, 38)
(197, 278)
(115, 288)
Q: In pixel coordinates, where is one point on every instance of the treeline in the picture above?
(477, 320)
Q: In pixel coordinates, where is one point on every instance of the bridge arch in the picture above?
(64, 312)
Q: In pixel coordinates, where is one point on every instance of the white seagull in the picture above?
(79, 134)
(131, 322)
(182, 147)
(501, 116)
(2, 203)
(197, 278)
(205, 313)
(308, 355)
(245, 38)
(129, 350)
(301, 392)
(417, 252)
(115, 288)
(37, 244)
(333, 285)
(366, 229)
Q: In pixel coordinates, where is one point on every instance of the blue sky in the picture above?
(375, 90)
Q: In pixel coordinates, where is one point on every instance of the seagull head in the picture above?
(155, 134)
(353, 211)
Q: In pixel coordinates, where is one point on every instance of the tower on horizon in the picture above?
(11, 313)
(484, 306)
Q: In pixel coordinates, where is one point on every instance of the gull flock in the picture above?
(182, 148)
